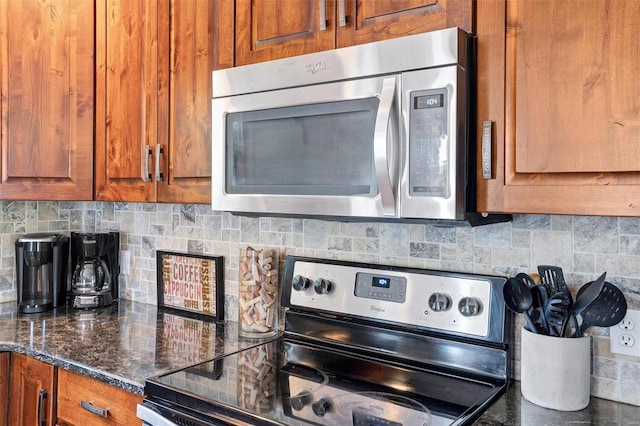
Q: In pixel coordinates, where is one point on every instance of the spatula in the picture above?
(553, 279)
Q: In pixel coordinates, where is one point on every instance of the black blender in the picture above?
(95, 269)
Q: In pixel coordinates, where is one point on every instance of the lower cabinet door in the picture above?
(85, 401)
(4, 387)
(31, 391)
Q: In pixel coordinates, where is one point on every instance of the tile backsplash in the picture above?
(584, 246)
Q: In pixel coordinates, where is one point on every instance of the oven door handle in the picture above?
(151, 417)
(381, 140)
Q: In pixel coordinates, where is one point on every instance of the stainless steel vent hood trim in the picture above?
(370, 59)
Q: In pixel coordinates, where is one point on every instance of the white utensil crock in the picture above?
(555, 372)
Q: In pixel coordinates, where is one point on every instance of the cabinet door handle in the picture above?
(342, 17)
(41, 397)
(146, 176)
(487, 166)
(159, 152)
(102, 412)
(323, 14)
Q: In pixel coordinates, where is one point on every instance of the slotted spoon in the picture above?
(607, 310)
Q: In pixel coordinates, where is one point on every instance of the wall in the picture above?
(583, 246)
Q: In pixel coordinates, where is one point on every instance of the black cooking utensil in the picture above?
(557, 311)
(540, 299)
(607, 310)
(553, 279)
(586, 295)
(536, 311)
(518, 298)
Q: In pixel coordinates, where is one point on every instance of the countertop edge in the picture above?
(83, 369)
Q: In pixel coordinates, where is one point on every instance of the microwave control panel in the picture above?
(429, 144)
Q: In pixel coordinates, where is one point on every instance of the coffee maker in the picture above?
(94, 269)
(41, 271)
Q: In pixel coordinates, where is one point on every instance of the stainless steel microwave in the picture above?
(379, 130)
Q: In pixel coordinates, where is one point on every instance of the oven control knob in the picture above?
(322, 407)
(322, 286)
(439, 302)
(470, 306)
(300, 283)
(299, 401)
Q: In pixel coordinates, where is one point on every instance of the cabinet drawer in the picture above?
(86, 401)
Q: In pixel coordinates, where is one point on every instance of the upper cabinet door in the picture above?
(126, 101)
(371, 20)
(274, 29)
(184, 97)
(47, 68)
(558, 79)
(153, 125)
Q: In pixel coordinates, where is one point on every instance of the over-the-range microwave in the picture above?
(374, 131)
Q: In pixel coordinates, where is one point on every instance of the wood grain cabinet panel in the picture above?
(83, 401)
(274, 29)
(153, 113)
(32, 391)
(4, 387)
(558, 81)
(47, 78)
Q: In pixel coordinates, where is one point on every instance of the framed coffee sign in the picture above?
(191, 283)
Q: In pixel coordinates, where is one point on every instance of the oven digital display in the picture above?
(381, 282)
(366, 419)
(379, 287)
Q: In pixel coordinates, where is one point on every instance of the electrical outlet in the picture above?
(625, 336)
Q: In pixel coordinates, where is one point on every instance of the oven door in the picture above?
(322, 150)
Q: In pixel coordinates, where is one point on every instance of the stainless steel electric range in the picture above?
(362, 345)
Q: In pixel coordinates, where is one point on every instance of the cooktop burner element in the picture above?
(363, 345)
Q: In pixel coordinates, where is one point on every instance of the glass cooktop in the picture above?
(297, 383)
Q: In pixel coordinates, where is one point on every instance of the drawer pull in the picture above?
(103, 412)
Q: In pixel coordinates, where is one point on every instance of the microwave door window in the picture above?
(319, 149)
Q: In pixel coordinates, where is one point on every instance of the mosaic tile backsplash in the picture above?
(584, 246)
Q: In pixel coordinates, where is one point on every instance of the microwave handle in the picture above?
(380, 145)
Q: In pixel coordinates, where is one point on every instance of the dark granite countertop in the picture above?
(127, 343)
(122, 345)
(513, 409)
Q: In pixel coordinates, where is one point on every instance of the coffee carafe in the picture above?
(41, 271)
(95, 269)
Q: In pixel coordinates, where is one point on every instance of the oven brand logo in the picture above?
(375, 308)
(314, 68)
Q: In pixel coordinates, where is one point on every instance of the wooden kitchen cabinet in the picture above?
(153, 111)
(4, 387)
(85, 401)
(558, 81)
(273, 29)
(47, 93)
(32, 391)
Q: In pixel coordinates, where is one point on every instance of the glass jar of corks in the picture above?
(258, 292)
